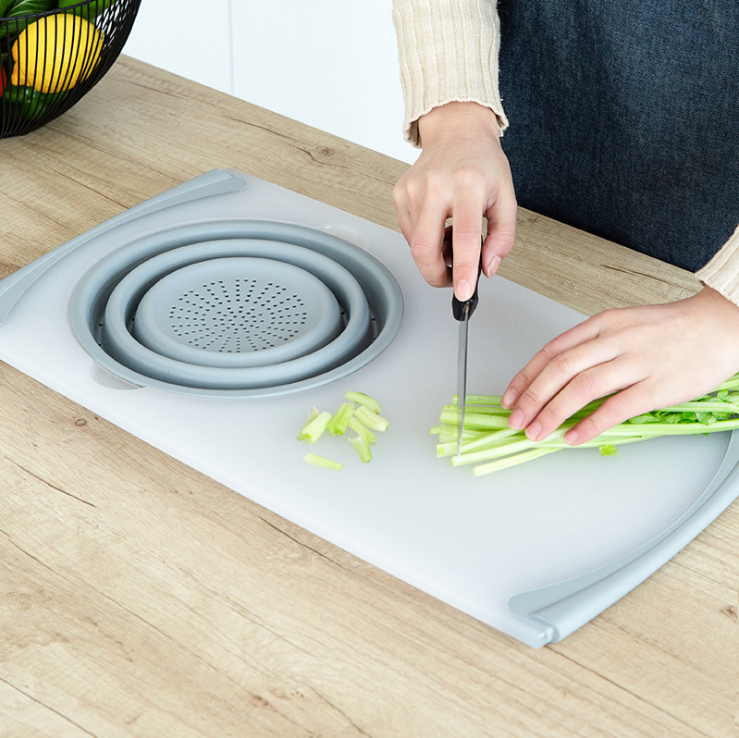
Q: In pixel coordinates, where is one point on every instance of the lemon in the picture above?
(56, 52)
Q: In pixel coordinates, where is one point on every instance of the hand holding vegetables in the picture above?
(644, 357)
(491, 445)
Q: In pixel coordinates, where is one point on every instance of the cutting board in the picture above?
(535, 551)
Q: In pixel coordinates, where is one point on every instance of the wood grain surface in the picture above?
(140, 598)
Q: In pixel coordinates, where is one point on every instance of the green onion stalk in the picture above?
(491, 445)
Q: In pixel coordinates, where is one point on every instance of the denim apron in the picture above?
(624, 119)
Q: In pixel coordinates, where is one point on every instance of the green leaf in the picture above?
(608, 449)
(88, 11)
(642, 419)
(17, 10)
(4, 5)
(29, 7)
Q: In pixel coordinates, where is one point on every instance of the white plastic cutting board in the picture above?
(535, 551)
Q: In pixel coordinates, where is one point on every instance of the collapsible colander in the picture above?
(236, 308)
(237, 312)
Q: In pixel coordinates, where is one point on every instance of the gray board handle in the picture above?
(561, 608)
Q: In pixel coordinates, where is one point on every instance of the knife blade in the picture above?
(462, 311)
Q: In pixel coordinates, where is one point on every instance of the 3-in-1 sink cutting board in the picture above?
(535, 551)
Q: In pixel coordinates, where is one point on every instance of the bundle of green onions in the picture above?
(492, 445)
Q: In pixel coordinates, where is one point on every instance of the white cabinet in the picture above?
(331, 64)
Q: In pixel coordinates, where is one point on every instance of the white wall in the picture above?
(331, 64)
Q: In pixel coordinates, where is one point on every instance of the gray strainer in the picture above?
(237, 312)
(125, 298)
(102, 308)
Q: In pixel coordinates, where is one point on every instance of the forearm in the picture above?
(460, 120)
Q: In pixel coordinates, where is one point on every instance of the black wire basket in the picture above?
(52, 52)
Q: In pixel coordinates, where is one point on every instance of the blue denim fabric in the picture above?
(625, 119)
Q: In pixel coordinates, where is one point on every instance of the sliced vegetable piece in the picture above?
(371, 420)
(315, 427)
(365, 400)
(340, 421)
(317, 460)
(362, 430)
(363, 448)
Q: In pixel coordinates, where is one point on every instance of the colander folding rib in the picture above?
(236, 309)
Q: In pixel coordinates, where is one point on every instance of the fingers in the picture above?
(584, 387)
(629, 403)
(466, 245)
(426, 242)
(501, 217)
(580, 334)
(425, 234)
(566, 375)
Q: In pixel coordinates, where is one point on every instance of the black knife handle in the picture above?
(458, 307)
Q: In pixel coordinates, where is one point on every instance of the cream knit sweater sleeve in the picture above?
(448, 51)
(722, 272)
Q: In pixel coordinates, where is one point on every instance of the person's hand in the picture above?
(463, 174)
(645, 358)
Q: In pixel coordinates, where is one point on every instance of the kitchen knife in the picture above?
(462, 311)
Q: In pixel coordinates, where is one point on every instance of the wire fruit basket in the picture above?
(52, 52)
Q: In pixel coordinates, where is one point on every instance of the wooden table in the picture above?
(140, 598)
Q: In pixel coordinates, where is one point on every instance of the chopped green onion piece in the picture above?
(363, 449)
(360, 412)
(340, 421)
(323, 462)
(314, 428)
(371, 420)
(364, 400)
(362, 430)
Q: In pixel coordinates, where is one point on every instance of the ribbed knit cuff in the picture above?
(722, 272)
(448, 51)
